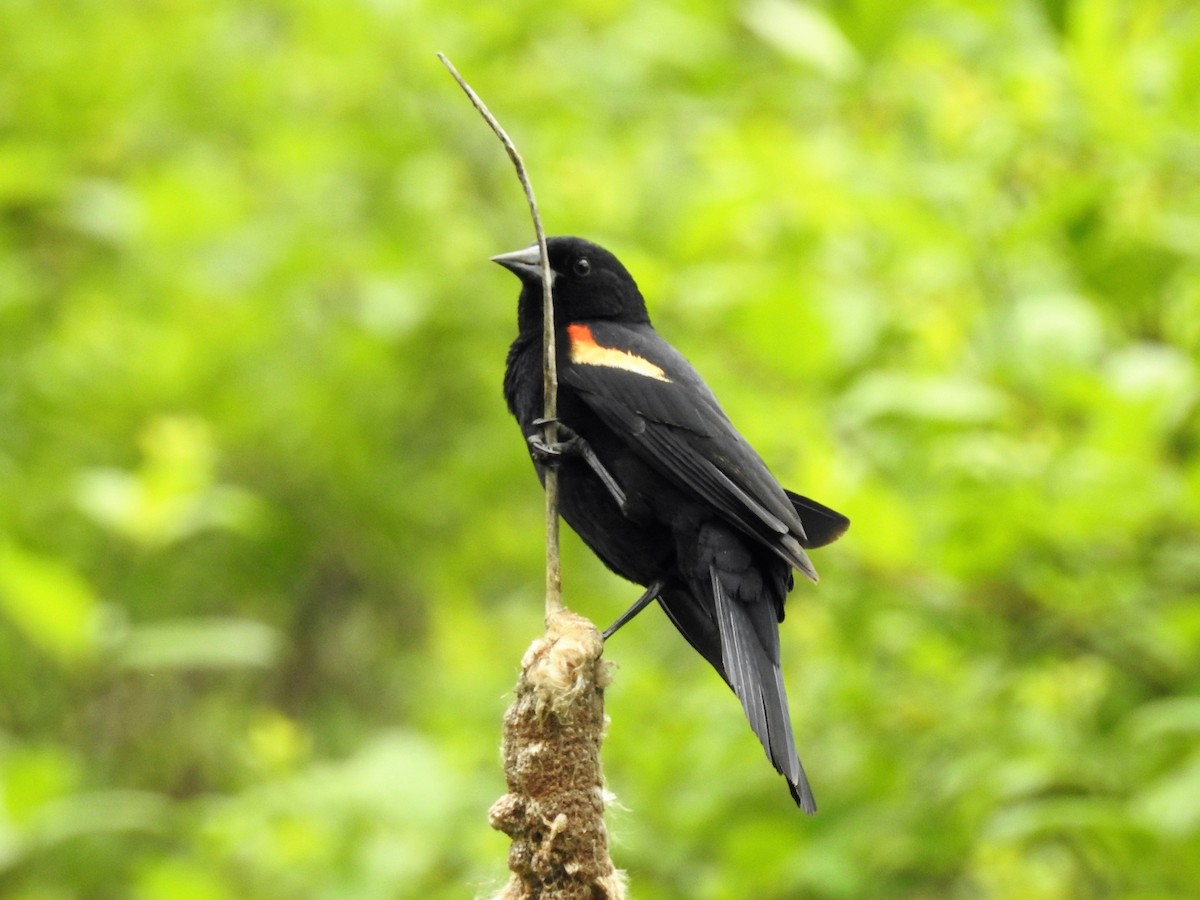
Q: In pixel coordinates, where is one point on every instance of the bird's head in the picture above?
(588, 283)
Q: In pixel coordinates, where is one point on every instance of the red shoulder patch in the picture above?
(585, 351)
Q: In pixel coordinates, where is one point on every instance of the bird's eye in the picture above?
(582, 268)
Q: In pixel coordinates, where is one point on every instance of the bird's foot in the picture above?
(570, 444)
(551, 453)
(641, 603)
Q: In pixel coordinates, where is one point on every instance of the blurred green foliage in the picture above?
(270, 548)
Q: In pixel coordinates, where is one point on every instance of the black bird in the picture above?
(656, 480)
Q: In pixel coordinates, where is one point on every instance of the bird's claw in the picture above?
(552, 453)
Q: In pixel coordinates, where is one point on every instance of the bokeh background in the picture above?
(271, 549)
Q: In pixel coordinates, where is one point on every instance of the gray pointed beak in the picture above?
(526, 263)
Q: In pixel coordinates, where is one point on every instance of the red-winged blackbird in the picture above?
(656, 480)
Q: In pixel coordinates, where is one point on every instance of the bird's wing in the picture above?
(646, 392)
(822, 525)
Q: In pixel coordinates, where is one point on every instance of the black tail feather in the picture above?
(755, 676)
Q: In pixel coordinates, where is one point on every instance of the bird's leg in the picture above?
(641, 603)
(571, 444)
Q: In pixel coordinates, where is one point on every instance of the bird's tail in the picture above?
(750, 652)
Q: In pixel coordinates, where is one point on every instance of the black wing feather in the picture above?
(822, 524)
(678, 426)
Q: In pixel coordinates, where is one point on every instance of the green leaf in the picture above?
(53, 607)
(200, 644)
(804, 33)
